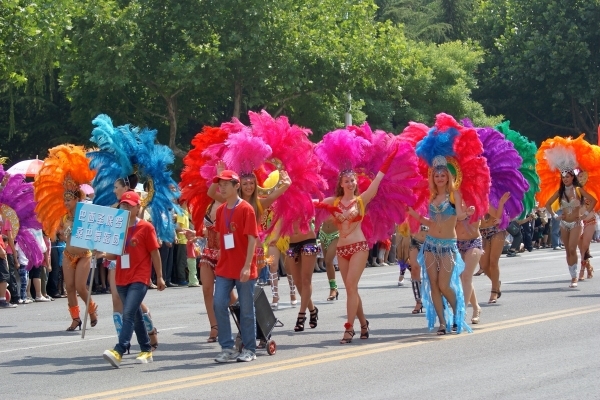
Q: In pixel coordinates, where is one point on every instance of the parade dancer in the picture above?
(507, 191)
(576, 162)
(357, 172)
(456, 171)
(57, 192)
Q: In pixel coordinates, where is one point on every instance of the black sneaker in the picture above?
(170, 284)
(6, 304)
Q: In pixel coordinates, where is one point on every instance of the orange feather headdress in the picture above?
(63, 171)
(559, 155)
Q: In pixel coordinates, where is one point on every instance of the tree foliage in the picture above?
(542, 66)
(177, 65)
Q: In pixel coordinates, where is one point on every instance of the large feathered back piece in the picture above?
(567, 154)
(504, 163)
(194, 186)
(126, 150)
(17, 204)
(527, 150)
(65, 169)
(450, 139)
(363, 151)
(291, 147)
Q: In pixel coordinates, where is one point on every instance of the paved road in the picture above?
(539, 342)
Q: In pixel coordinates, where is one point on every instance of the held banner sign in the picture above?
(99, 228)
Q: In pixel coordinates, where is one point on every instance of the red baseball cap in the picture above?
(226, 175)
(131, 198)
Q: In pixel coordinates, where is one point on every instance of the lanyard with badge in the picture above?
(125, 257)
(228, 237)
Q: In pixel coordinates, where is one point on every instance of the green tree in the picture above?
(542, 64)
(422, 19)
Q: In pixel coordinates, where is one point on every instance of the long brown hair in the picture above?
(339, 190)
(254, 197)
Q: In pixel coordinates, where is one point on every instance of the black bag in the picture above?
(513, 228)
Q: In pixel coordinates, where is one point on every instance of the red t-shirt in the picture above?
(242, 222)
(141, 241)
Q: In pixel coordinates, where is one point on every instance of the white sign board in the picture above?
(99, 228)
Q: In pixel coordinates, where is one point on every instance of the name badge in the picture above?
(228, 238)
(125, 261)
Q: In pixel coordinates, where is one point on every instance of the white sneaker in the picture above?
(41, 299)
(227, 355)
(27, 301)
(246, 356)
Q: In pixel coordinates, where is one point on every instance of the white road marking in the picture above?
(79, 341)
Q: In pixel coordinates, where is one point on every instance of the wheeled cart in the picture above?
(265, 322)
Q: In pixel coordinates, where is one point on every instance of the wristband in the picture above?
(555, 215)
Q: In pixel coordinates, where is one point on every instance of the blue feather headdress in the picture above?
(437, 143)
(127, 150)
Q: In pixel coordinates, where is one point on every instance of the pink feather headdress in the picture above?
(364, 151)
(291, 147)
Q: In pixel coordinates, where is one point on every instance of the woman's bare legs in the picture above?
(303, 272)
(351, 271)
(471, 258)
(415, 277)
(329, 256)
(207, 276)
(584, 247)
(493, 268)
(274, 252)
(571, 238)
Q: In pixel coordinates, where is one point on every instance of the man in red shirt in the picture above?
(134, 269)
(236, 224)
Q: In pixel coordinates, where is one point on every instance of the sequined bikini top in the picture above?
(445, 209)
(569, 206)
(353, 212)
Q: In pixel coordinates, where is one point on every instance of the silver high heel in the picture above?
(292, 290)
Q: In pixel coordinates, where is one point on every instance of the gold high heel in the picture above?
(476, 315)
(582, 270)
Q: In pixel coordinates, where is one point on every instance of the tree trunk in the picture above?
(172, 116)
(237, 99)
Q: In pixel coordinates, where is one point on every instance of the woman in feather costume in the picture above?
(457, 172)
(372, 176)
(57, 192)
(575, 194)
(508, 188)
(274, 143)
(203, 209)
(17, 208)
(124, 155)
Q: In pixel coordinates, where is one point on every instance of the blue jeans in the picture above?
(555, 234)
(24, 275)
(132, 296)
(223, 287)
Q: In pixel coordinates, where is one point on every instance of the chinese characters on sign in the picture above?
(100, 228)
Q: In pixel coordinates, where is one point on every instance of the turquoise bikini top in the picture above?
(445, 209)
